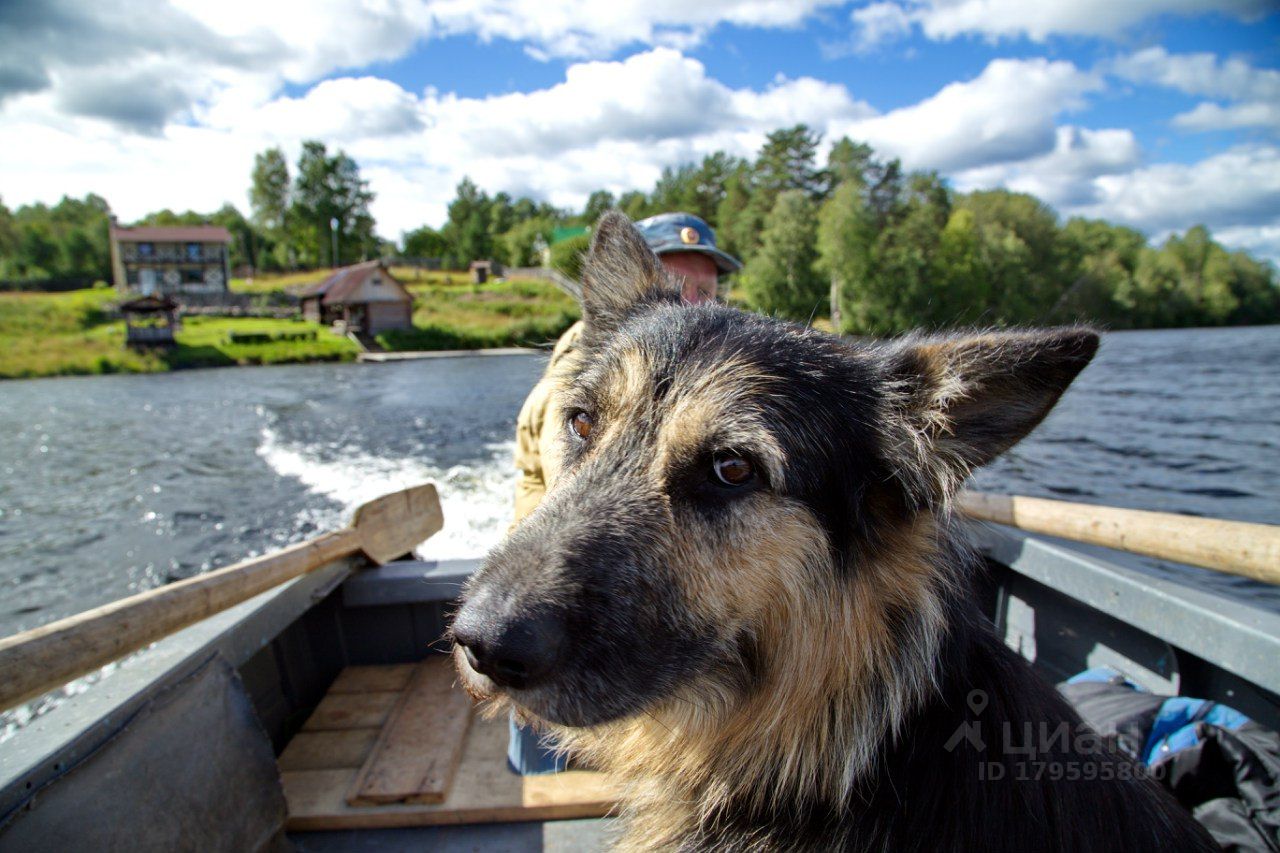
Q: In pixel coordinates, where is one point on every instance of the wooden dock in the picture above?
(415, 355)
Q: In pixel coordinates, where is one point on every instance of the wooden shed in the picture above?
(149, 321)
(482, 271)
(365, 299)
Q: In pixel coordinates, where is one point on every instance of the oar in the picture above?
(1234, 547)
(39, 660)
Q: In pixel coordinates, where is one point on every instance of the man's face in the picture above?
(698, 271)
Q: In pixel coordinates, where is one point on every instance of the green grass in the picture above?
(62, 334)
(53, 334)
(272, 282)
(59, 334)
(207, 342)
(452, 313)
(282, 281)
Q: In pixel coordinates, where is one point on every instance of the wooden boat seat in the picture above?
(397, 746)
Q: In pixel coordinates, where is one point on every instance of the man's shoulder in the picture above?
(568, 341)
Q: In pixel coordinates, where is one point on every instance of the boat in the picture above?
(319, 713)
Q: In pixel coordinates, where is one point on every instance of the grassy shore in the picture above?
(57, 334)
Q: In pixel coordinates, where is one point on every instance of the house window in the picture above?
(193, 251)
(192, 276)
(146, 250)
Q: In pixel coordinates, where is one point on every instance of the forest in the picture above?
(853, 237)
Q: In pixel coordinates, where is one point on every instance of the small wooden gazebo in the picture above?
(149, 321)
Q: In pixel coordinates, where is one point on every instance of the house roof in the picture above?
(148, 304)
(179, 234)
(346, 282)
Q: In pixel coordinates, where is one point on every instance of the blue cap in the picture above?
(684, 232)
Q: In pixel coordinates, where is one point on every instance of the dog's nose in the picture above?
(518, 653)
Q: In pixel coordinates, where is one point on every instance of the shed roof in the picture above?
(178, 234)
(346, 282)
(148, 304)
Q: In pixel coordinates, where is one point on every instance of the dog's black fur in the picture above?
(673, 630)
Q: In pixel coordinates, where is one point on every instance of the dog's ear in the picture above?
(620, 271)
(956, 403)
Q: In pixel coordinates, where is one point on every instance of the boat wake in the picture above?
(476, 498)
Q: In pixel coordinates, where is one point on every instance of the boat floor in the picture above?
(395, 746)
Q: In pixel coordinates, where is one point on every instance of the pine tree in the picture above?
(781, 279)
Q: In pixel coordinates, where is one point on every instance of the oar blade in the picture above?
(390, 526)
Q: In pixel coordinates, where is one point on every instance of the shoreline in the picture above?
(359, 358)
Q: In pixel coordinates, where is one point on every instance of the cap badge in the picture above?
(688, 235)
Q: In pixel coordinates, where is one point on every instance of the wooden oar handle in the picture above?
(41, 659)
(1234, 547)
(36, 661)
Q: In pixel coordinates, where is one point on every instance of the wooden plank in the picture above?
(1235, 547)
(351, 711)
(328, 750)
(418, 750)
(484, 790)
(372, 679)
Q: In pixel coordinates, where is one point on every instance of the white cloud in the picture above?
(1238, 188)
(1211, 116)
(1064, 177)
(1005, 114)
(1262, 241)
(876, 24)
(1254, 92)
(1039, 19)
(568, 28)
(610, 124)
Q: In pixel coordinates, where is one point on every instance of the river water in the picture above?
(111, 485)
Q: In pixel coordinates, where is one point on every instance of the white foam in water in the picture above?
(477, 500)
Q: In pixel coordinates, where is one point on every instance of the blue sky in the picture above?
(1158, 113)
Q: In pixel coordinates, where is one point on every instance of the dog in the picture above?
(746, 598)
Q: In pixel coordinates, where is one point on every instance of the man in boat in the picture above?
(686, 245)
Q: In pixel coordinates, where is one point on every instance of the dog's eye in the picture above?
(581, 425)
(733, 470)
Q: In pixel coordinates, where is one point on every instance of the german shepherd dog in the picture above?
(745, 596)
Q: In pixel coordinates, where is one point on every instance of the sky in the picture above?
(1158, 114)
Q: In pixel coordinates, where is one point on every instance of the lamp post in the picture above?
(333, 233)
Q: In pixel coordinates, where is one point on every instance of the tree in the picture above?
(676, 189)
(787, 161)
(598, 203)
(519, 245)
(781, 279)
(735, 229)
(1024, 257)
(846, 233)
(901, 284)
(568, 254)
(634, 204)
(329, 188)
(424, 242)
(467, 230)
(269, 191)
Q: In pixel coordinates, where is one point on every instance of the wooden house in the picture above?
(365, 299)
(171, 261)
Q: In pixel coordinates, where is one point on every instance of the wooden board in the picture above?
(415, 756)
(351, 711)
(484, 790)
(372, 679)
(328, 750)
